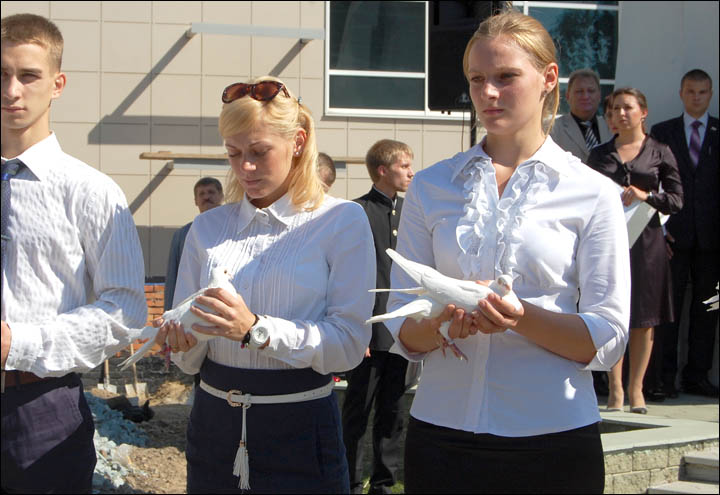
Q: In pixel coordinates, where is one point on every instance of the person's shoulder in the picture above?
(582, 173)
(667, 125)
(334, 205)
(444, 170)
(216, 214)
(86, 181)
(363, 199)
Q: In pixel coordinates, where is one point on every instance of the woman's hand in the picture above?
(174, 334)
(496, 315)
(233, 319)
(461, 323)
(632, 193)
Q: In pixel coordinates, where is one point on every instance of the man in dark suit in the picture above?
(692, 235)
(581, 129)
(380, 377)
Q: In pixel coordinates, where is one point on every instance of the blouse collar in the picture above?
(281, 210)
(549, 154)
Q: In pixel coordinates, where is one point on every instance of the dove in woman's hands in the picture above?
(182, 314)
(436, 291)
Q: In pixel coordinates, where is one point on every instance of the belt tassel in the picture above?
(241, 467)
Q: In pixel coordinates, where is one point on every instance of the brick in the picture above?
(609, 484)
(635, 482)
(620, 462)
(646, 459)
(664, 475)
(676, 452)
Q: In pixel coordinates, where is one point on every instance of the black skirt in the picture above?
(292, 447)
(445, 460)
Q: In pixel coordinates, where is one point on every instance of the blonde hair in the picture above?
(285, 117)
(384, 152)
(35, 29)
(530, 36)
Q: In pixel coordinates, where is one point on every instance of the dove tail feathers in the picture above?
(413, 269)
(413, 290)
(138, 355)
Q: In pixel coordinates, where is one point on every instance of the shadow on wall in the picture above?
(100, 134)
(155, 242)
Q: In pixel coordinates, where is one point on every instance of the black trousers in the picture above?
(445, 460)
(47, 438)
(703, 269)
(378, 380)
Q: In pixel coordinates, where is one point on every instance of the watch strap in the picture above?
(246, 340)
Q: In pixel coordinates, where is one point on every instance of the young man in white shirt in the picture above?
(72, 274)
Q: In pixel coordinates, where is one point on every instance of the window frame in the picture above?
(569, 5)
(426, 114)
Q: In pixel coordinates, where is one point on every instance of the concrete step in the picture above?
(702, 466)
(685, 487)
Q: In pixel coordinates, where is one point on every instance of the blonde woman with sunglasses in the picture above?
(264, 417)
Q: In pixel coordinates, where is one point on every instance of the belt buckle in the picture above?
(229, 398)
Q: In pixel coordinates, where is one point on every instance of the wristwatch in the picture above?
(649, 196)
(258, 334)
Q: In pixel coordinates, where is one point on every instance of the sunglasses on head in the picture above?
(262, 91)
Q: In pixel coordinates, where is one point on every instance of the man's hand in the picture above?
(5, 342)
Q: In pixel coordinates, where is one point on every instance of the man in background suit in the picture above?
(208, 194)
(692, 234)
(380, 378)
(581, 129)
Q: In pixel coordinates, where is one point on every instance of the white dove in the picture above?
(712, 302)
(182, 314)
(437, 291)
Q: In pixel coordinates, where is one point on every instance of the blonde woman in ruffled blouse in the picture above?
(523, 405)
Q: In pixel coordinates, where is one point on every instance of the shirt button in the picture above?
(395, 232)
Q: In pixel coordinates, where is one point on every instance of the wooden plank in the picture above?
(168, 155)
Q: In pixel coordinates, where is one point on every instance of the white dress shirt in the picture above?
(307, 272)
(73, 282)
(688, 120)
(559, 230)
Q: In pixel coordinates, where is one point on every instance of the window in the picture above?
(585, 34)
(376, 60)
(376, 53)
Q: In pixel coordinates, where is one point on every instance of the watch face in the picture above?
(260, 335)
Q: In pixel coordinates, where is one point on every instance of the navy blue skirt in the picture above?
(292, 447)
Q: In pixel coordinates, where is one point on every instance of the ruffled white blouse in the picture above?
(307, 272)
(560, 232)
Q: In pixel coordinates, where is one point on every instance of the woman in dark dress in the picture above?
(647, 171)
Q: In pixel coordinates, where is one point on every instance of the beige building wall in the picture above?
(136, 84)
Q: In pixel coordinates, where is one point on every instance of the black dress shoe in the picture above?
(655, 395)
(703, 387)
